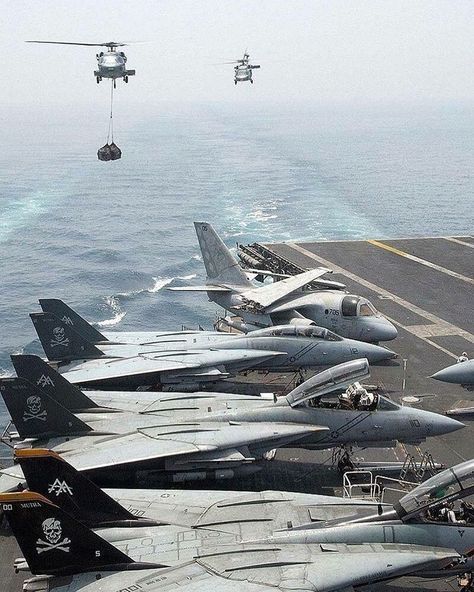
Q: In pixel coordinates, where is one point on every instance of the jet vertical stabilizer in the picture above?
(221, 266)
(48, 474)
(52, 542)
(39, 373)
(70, 317)
(37, 415)
(59, 340)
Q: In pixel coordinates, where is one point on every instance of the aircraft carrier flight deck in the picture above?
(425, 287)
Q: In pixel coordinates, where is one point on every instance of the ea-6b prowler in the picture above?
(194, 436)
(223, 540)
(282, 302)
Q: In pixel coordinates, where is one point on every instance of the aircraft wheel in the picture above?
(115, 83)
(98, 79)
(235, 81)
(251, 82)
(126, 79)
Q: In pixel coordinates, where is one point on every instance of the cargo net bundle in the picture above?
(110, 150)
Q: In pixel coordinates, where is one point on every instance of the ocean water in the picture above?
(109, 237)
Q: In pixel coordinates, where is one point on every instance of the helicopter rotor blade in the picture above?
(68, 43)
(107, 44)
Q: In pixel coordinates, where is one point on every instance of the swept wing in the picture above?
(267, 295)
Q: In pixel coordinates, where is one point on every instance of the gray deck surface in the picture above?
(433, 310)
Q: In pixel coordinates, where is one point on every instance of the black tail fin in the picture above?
(35, 414)
(70, 317)
(60, 342)
(52, 542)
(47, 473)
(38, 372)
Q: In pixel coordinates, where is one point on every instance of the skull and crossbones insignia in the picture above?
(34, 410)
(52, 531)
(59, 338)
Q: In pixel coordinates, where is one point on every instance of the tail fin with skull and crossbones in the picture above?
(61, 343)
(69, 316)
(36, 415)
(54, 543)
(40, 373)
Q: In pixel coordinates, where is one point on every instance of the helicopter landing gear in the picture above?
(125, 79)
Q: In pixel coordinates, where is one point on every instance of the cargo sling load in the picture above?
(110, 151)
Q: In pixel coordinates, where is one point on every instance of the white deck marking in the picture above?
(437, 325)
(424, 262)
(459, 242)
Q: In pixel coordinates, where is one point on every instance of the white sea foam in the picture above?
(117, 310)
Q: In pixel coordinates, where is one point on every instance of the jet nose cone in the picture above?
(386, 331)
(378, 329)
(446, 425)
(377, 353)
(455, 374)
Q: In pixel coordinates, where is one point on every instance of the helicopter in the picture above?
(243, 69)
(110, 64)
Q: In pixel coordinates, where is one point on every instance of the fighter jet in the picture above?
(305, 347)
(297, 347)
(130, 365)
(284, 301)
(188, 437)
(217, 540)
(432, 514)
(461, 373)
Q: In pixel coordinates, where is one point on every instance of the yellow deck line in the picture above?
(448, 328)
(455, 274)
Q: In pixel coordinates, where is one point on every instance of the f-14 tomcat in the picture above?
(146, 358)
(194, 436)
(284, 301)
(105, 541)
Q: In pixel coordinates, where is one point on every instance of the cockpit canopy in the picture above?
(454, 483)
(353, 306)
(311, 332)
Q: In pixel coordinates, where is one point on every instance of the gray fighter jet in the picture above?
(305, 347)
(244, 541)
(297, 347)
(108, 365)
(188, 437)
(284, 301)
(461, 373)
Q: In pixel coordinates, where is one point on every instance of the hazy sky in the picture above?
(310, 50)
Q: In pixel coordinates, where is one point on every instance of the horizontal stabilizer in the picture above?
(271, 293)
(54, 543)
(48, 474)
(38, 372)
(199, 289)
(337, 377)
(37, 415)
